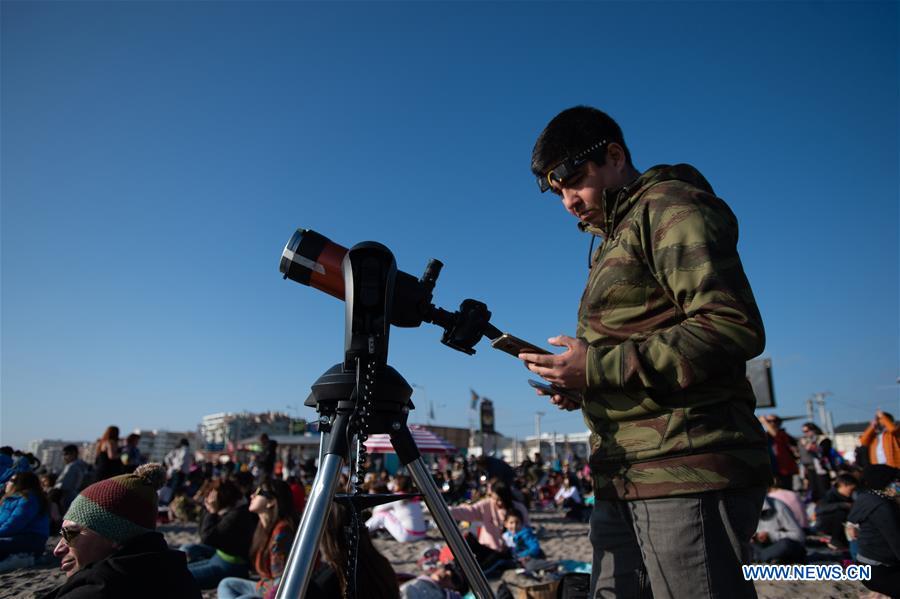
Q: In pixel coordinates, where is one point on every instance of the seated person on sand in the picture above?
(778, 537)
(569, 498)
(273, 503)
(226, 533)
(491, 512)
(521, 539)
(490, 550)
(791, 499)
(403, 519)
(24, 516)
(833, 508)
(877, 515)
(109, 548)
(444, 581)
(375, 578)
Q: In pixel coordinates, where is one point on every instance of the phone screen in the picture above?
(574, 396)
(514, 346)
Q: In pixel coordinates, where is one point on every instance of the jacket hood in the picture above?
(865, 503)
(617, 202)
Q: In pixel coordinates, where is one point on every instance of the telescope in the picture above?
(363, 395)
(312, 259)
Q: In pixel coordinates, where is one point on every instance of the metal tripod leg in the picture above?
(305, 549)
(438, 510)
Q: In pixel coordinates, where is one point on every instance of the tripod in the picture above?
(361, 396)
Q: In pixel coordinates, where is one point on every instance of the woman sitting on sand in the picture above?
(274, 504)
(491, 512)
(490, 549)
(24, 516)
(403, 519)
(226, 531)
(375, 578)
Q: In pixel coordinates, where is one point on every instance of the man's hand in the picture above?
(561, 401)
(566, 370)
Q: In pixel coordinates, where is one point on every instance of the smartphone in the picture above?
(514, 346)
(554, 390)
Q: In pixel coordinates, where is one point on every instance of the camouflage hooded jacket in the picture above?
(670, 321)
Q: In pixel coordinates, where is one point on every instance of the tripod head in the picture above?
(314, 260)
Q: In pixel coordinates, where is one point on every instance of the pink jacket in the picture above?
(491, 518)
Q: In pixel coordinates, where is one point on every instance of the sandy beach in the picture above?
(560, 539)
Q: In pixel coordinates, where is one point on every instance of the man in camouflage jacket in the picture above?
(665, 326)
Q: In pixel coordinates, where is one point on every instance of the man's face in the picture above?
(845, 490)
(68, 458)
(582, 193)
(84, 548)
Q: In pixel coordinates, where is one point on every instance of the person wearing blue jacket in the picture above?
(24, 517)
(521, 539)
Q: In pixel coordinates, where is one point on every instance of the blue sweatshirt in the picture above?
(524, 543)
(22, 515)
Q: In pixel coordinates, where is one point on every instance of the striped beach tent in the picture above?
(426, 441)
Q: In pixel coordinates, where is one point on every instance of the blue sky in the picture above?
(156, 157)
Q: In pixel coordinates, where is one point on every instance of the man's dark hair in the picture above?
(846, 480)
(6, 449)
(184, 443)
(70, 449)
(572, 131)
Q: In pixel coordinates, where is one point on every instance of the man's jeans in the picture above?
(689, 546)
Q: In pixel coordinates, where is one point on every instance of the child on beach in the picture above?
(521, 539)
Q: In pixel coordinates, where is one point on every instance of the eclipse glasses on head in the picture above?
(568, 167)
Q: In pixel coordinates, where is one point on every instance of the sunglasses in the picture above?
(68, 535)
(568, 167)
(263, 493)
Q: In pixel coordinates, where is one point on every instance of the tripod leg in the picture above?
(305, 549)
(438, 510)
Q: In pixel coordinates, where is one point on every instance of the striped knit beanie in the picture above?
(122, 507)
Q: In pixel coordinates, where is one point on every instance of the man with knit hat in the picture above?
(109, 547)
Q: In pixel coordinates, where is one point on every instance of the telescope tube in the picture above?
(314, 260)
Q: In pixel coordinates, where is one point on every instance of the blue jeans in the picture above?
(236, 588)
(209, 572)
(33, 544)
(197, 551)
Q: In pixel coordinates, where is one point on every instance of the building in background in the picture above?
(155, 444)
(223, 431)
(49, 452)
(846, 438)
(458, 437)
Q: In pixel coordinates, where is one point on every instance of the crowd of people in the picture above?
(247, 515)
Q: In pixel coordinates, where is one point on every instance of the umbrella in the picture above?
(426, 441)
